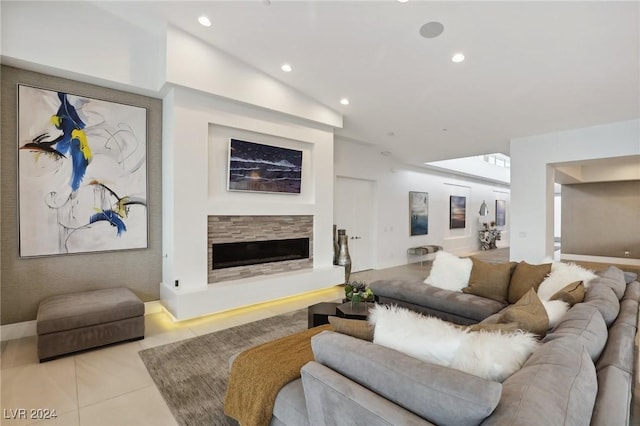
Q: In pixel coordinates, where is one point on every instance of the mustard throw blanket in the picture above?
(258, 374)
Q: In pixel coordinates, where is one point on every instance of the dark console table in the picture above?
(358, 311)
(319, 313)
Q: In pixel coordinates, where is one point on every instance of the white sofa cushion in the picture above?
(449, 272)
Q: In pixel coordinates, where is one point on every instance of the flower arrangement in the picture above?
(488, 236)
(357, 291)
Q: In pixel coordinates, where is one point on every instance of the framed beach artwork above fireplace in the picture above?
(256, 167)
(82, 173)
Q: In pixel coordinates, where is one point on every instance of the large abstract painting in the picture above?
(419, 213)
(457, 212)
(82, 183)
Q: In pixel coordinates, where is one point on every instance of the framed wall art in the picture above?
(501, 206)
(257, 167)
(82, 174)
(457, 212)
(419, 213)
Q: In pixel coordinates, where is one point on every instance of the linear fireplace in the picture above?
(228, 255)
(223, 231)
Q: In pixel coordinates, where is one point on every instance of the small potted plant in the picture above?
(358, 291)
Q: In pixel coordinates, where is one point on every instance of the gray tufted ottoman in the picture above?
(77, 321)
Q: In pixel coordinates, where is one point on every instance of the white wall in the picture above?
(198, 122)
(532, 178)
(79, 40)
(218, 73)
(392, 183)
(197, 130)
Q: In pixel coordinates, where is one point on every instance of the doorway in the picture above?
(353, 211)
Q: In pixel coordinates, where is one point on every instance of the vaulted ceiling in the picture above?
(530, 67)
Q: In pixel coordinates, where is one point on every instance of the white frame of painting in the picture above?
(82, 173)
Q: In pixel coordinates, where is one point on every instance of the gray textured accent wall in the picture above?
(601, 219)
(231, 229)
(25, 282)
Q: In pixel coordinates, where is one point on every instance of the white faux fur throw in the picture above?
(555, 310)
(491, 355)
(563, 274)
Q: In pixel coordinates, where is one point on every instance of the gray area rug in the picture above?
(192, 374)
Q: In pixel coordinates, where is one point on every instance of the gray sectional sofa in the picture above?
(583, 373)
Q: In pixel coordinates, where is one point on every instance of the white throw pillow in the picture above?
(563, 274)
(449, 272)
(491, 355)
(555, 310)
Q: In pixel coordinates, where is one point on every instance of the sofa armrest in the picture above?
(332, 399)
(439, 394)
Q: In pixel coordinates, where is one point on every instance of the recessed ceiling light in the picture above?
(344, 101)
(402, 1)
(458, 57)
(286, 68)
(431, 29)
(204, 21)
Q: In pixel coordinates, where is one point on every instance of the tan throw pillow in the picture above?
(490, 280)
(528, 313)
(571, 294)
(354, 328)
(526, 276)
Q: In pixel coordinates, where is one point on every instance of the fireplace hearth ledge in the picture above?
(187, 302)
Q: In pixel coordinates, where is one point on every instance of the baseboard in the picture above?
(625, 261)
(19, 330)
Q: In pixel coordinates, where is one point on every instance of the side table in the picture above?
(319, 313)
(358, 311)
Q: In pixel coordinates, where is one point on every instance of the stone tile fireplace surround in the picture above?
(231, 229)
